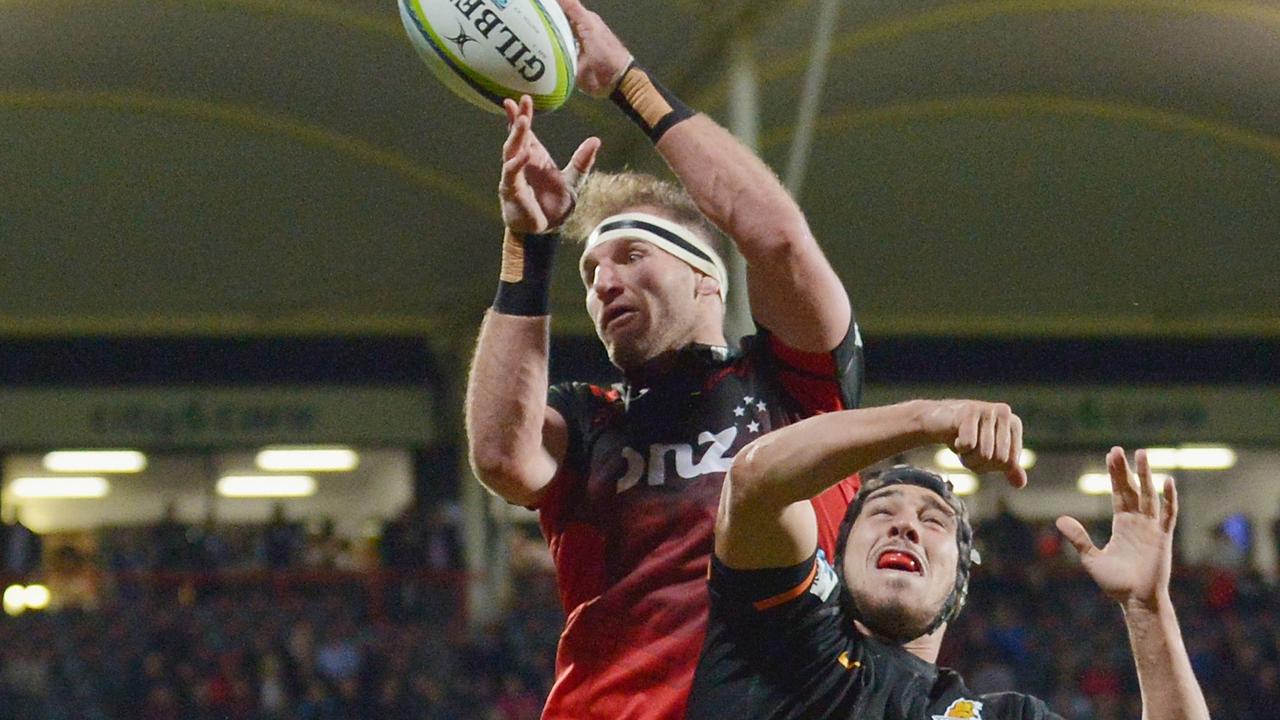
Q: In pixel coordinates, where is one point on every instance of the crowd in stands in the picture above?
(420, 538)
(337, 651)
(260, 654)
(1036, 623)
(173, 546)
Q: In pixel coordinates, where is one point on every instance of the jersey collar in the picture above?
(690, 365)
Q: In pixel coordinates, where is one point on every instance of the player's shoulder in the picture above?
(571, 393)
(586, 408)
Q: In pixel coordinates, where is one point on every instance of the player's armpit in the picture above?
(555, 445)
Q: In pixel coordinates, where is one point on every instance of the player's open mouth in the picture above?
(613, 316)
(901, 560)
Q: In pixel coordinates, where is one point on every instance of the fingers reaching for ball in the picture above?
(536, 195)
(579, 167)
(602, 57)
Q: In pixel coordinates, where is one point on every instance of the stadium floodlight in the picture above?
(963, 483)
(1099, 483)
(60, 487)
(307, 459)
(15, 600)
(1163, 458)
(1206, 457)
(95, 461)
(266, 486)
(948, 460)
(1192, 457)
(1094, 484)
(36, 597)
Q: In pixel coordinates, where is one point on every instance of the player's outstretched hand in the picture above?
(987, 436)
(1133, 568)
(536, 195)
(602, 58)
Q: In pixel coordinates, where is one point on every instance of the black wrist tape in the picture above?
(649, 105)
(524, 285)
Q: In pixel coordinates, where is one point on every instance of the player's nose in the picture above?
(606, 283)
(905, 528)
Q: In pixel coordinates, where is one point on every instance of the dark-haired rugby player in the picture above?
(791, 637)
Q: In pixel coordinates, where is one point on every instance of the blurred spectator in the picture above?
(317, 703)
(1231, 544)
(1010, 637)
(339, 658)
(71, 579)
(1100, 681)
(398, 547)
(282, 540)
(516, 701)
(161, 704)
(1010, 540)
(529, 554)
(428, 700)
(325, 549)
(440, 540)
(422, 537)
(1049, 544)
(22, 547)
(1275, 541)
(1265, 689)
(26, 673)
(209, 549)
(300, 644)
(170, 545)
(273, 692)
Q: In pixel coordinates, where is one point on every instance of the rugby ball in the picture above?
(487, 50)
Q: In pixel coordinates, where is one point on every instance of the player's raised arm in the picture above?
(1133, 569)
(765, 519)
(515, 440)
(794, 290)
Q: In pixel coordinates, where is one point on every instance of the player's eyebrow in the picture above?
(886, 492)
(937, 504)
(629, 244)
(931, 500)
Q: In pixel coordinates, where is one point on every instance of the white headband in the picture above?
(670, 237)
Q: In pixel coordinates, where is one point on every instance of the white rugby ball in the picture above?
(487, 50)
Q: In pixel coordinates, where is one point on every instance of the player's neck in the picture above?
(657, 368)
(925, 647)
(710, 331)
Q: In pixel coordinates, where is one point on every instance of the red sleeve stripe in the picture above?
(821, 364)
(789, 595)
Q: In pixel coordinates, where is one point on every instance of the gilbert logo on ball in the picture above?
(487, 50)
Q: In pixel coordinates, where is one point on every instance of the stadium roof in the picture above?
(990, 167)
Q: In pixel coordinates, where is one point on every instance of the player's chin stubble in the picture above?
(893, 620)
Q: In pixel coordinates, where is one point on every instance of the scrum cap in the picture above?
(968, 555)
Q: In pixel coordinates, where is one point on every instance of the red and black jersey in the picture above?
(778, 647)
(630, 516)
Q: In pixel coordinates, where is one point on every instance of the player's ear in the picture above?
(707, 285)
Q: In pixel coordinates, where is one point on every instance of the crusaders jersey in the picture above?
(630, 515)
(778, 647)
